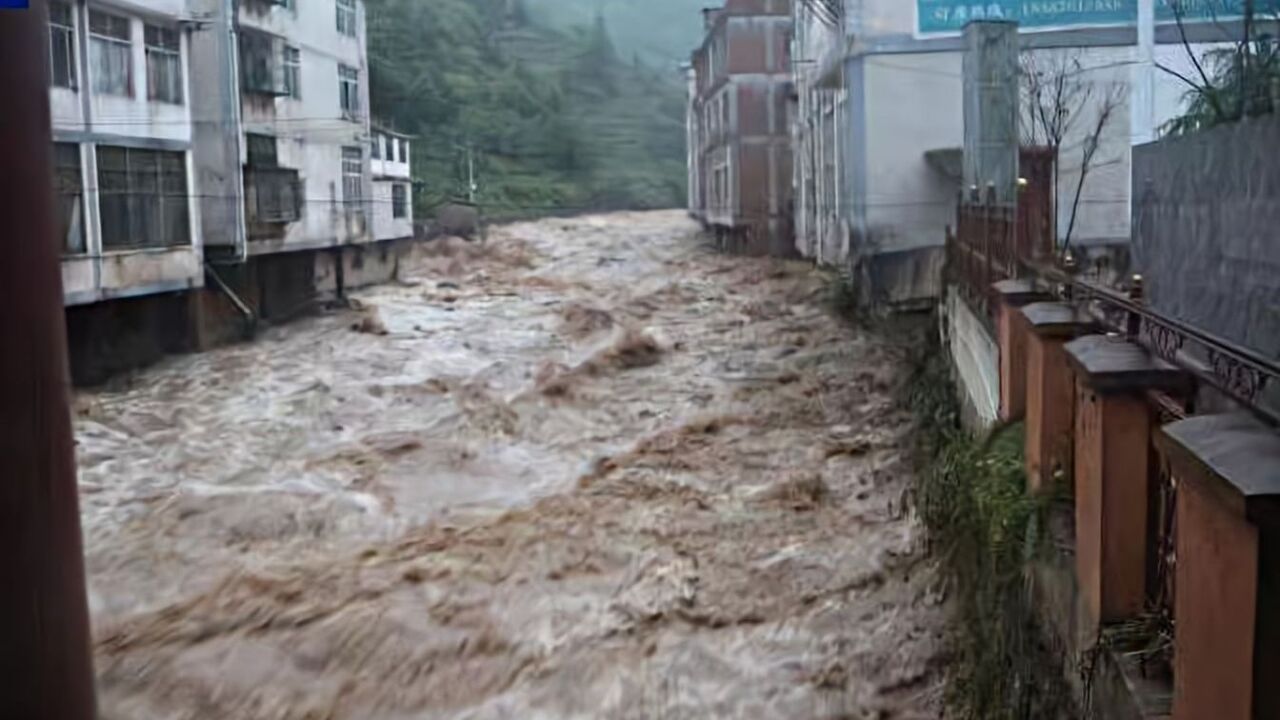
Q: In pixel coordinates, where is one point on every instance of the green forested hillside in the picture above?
(553, 118)
(661, 32)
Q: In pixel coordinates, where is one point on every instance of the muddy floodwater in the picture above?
(589, 469)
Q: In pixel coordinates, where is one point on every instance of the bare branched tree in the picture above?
(1060, 100)
(1110, 100)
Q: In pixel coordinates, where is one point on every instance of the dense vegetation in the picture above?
(972, 495)
(551, 119)
(1236, 80)
(661, 32)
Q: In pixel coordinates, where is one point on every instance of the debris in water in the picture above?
(370, 324)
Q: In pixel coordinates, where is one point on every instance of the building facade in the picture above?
(819, 112)
(392, 185)
(283, 161)
(893, 70)
(122, 117)
(740, 152)
(214, 169)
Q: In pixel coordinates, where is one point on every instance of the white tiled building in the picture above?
(123, 133)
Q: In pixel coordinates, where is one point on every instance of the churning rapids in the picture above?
(588, 469)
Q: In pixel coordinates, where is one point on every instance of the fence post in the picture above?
(1137, 294)
(988, 247)
(1112, 448)
(1227, 638)
(1050, 389)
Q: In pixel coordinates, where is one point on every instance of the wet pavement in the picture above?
(589, 469)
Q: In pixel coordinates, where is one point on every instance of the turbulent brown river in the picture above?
(588, 469)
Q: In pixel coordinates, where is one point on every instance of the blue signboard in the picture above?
(951, 15)
(1195, 10)
(10, 4)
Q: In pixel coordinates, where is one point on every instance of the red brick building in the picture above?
(740, 155)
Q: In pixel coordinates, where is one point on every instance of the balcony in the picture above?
(272, 195)
(261, 71)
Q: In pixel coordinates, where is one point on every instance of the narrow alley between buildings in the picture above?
(587, 469)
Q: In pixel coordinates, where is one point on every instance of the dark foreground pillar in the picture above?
(44, 620)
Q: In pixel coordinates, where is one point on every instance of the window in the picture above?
(261, 150)
(349, 91)
(375, 147)
(62, 42)
(69, 186)
(292, 72)
(272, 194)
(142, 198)
(399, 201)
(347, 17)
(261, 58)
(391, 149)
(352, 178)
(164, 64)
(110, 54)
(404, 151)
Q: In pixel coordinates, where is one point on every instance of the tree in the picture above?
(1065, 109)
(1227, 84)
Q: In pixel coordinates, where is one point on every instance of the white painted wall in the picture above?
(976, 358)
(385, 225)
(89, 119)
(913, 104)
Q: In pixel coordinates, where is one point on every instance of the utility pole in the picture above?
(471, 175)
(1142, 114)
(44, 618)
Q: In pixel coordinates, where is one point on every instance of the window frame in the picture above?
(67, 31)
(346, 17)
(68, 179)
(149, 191)
(399, 201)
(375, 147)
(291, 66)
(352, 169)
(171, 56)
(98, 38)
(349, 91)
(260, 157)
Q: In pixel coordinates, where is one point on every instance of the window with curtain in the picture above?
(164, 64)
(142, 198)
(62, 43)
(68, 183)
(110, 53)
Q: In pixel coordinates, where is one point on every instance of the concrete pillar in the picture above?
(1227, 637)
(1050, 389)
(991, 109)
(1011, 334)
(1112, 451)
